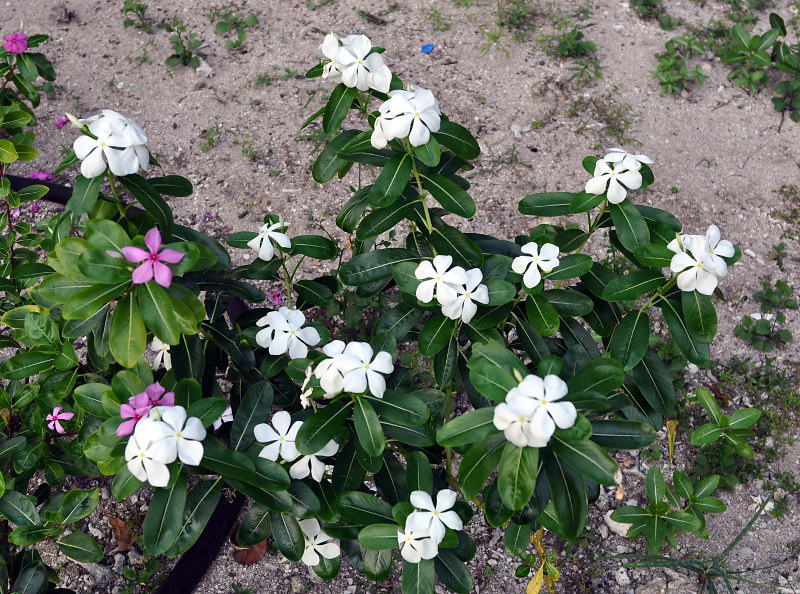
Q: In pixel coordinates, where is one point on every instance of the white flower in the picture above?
(531, 413)
(379, 139)
(262, 243)
(284, 332)
(306, 392)
(225, 417)
(144, 461)
(310, 464)
(605, 176)
(528, 266)
(120, 140)
(317, 543)
(442, 281)
(634, 161)
(280, 440)
(414, 547)
(184, 435)
(464, 307)
(360, 370)
(330, 377)
(433, 519)
(353, 64)
(162, 354)
(695, 263)
(413, 114)
(718, 249)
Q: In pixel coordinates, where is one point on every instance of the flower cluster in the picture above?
(425, 527)
(152, 261)
(120, 140)
(352, 368)
(414, 114)
(528, 266)
(457, 290)
(139, 406)
(262, 243)
(16, 43)
(615, 172)
(165, 435)
(352, 63)
(283, 332)
(699, 260)
(530, 414)
(280, 438)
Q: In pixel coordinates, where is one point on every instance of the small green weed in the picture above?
(236, 23)
(184, 45)
(263, 80)
(653, 9)
(493, 38)
(210, 138)
(762, 330)
(139, 19)
(248, 149)
(142, 580)
(237, 589)
(437, 19)
(585, 70)
(517, 17)
(289, 73)
(316, 5)
(571, 44)
(672, 72)
(614, 117)
(792, 195)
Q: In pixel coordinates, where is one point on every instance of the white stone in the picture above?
(616, 527)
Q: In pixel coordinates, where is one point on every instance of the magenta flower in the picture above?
(58, 416)
(41, 175)
(153, 395)
(61, 121)
(276, 297)
(133, 413)
(153, 265)
(16, 43)
(35, 207)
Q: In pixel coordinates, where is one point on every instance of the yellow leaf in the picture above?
(672, 433)
(536, 583)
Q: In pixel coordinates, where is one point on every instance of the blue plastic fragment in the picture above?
(427, 48)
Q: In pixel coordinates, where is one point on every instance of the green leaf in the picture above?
(314, 246)
(478, 464)
(17, 508)
(449, 240)
(103, 234)
(419, 476)
(383, 219)
(230, 464)
(26, 364)
(321, 427)
(633, 285)
(631, 227)
(157, 312)
(468, 428)
(541, 315)
(516, 539)
(696, 351)
(700, 315)
(571, 266)
(368, 427)
(364, 508)
(407, 409)
(359, 149)
(207, 409)
(589, 459)
(374, 266)
(418, 578)
(568, 494)
(744, 418)
(29, 535)
(379, 537)
(491, 370)
(8, 154)
(33, 579)
(164, 518)
(458, 139)
(172, 185)
(429, 153)
(335, 112)
(86, 302)
(353, 209)
(568, 302)
(599, 375)
(452, 571)
(516, 476)
(705, 434)
(435, 334)
(151, 201)
(451, 196)
(128, 337)
(254, 527)
(654, 485)
(683, 520)
(288, 536)
(125, 484)
(620, 434)
(256, 402)
(77, 504)
(200, 505)
(547, 204)
(630, 514)
(653, 379)
(654, 256)
(81, 547)
(629, 341)
(709, 403)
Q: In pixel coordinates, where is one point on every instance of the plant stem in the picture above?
(287, 281)
(414, 169)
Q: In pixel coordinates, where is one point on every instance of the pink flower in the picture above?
(276, 297)
(57, 414)
(41, 175)
(153, 395)
(35, 207)
(16, 43)
(134, 413)
(61, 121)
(153, 265)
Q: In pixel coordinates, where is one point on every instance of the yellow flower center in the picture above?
(178, 435)
(416, 114)
(141, 454)
(543, 402)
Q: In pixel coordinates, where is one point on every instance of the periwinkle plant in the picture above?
(334, 439)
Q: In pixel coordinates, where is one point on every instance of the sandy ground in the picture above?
(719, 157)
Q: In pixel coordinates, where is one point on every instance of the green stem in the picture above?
(115, 193)
(659, 293)
(414, 169)
(287, 282)
(448, 410)
(593, 224)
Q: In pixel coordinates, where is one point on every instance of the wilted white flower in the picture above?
(613, 179)
(528, 266)
(161, 350)
(616, 155)
(439, 279)
(467, 294)
(284, 332)
(225, 417)
(330, 376)
(317, 543)
(433, 518)
(280, 440)
(262, 243)
(414, 546)
(310, 464)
